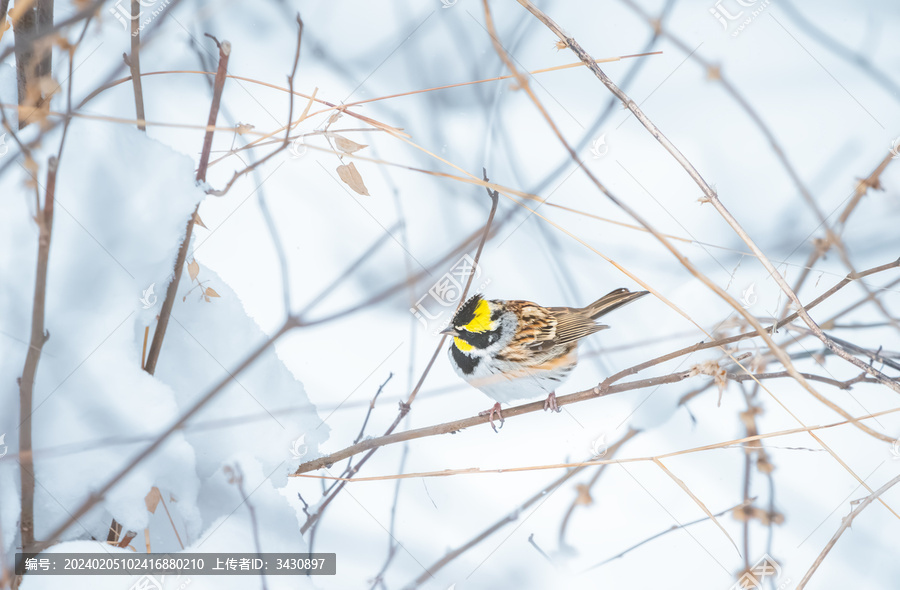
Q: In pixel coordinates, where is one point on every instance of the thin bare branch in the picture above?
(845, 524)
(407, 405)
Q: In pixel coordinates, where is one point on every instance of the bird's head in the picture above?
(481, 326)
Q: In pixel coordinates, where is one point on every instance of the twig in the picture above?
(848, 384)
(237, 477)
(362, 430)
(86, 12)
(845, 524)
(542, 494)
(406, 406)
(710, 196)
(590, 484)
(832, 44)
(39, 336)
(172, 290)
(287, 129)
(666, 532)
(714, 72)
(392, 543)
(713, 198)
(134, 63)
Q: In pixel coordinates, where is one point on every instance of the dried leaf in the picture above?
(4, 26)
(153, 499)
(561, 45)
(198, 221)
(346, 145)
(350, 175)
(210, 292)
(584, 495)
(242, 128)
(193, 269)
(334, 117)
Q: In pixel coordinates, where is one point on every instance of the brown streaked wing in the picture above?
(573, 324)
(537, 326)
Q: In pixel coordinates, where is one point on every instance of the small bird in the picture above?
(514, 350)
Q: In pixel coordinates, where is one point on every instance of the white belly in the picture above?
(506, 384)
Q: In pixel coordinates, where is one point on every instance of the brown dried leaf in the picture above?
(193, 269)
(560, 45)
(210, 292)
(242, 128)
(334, 117)
(350, 175)
(198, 221)
(346, 145)
(152, 499)
(584, 495)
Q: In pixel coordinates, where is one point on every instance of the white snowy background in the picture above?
(123, 198)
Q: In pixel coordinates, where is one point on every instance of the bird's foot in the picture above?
(490, 413)
(550, 403)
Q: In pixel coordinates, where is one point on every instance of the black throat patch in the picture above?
(465, 362)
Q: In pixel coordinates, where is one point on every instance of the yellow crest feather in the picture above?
(482, 320)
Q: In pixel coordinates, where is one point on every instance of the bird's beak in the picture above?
(450, 332)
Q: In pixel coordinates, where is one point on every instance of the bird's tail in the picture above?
(611, 301)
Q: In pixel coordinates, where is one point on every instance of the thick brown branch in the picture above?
(172, 291)
(287, 128)
(134, 64)
(448, 427)
(38, 337)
